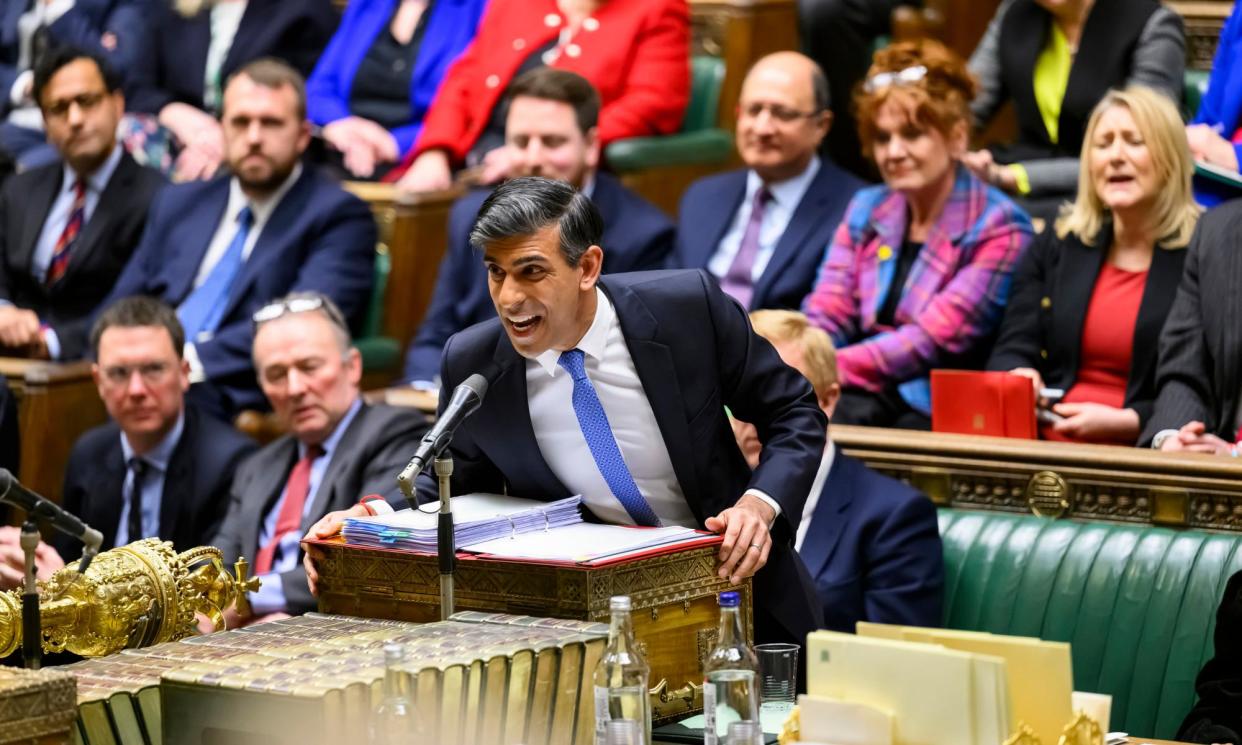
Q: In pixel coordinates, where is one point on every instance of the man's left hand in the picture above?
(746, 537)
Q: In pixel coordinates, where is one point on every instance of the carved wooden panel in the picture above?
(1091, 482)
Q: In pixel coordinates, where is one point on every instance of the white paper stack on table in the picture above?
(476, 518)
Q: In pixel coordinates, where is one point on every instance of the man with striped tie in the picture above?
(67, 229)
(615, 388)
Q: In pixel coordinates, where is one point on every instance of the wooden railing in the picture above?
(57, 402)
(1132, 485)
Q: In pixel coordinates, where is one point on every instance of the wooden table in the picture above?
(57, 402)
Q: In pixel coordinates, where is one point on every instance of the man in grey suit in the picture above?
(338, 449)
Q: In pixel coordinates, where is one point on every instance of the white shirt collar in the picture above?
(160, 455)
(787, 193)
(98, 180)
(329, 445)
(261, 211)
(592, 342)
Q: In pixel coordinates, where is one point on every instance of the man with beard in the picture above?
(550, 131)
(219, 250)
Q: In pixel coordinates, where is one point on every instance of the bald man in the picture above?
(762, 230)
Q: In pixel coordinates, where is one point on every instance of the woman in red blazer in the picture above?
(635, 52)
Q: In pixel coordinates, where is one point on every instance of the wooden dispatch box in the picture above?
(674, 599)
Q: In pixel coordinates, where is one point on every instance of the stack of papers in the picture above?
(476, 518)
(586, 543)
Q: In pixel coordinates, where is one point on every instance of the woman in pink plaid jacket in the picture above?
(918, 272)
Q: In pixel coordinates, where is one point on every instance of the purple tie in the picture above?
(737, 281)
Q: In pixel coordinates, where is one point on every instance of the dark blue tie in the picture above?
(599, 438)
(202, 310)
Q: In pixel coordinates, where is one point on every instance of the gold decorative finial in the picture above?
(133, 596)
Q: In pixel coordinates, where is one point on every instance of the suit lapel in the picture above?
(180, 489)
(267, 485)
(653, 361)
(278, 229)
(199, 228)
(1077, 274)
(342, 462)
(511, 413)
(1162, 280)
(105, 512)
(806, 217)
(255, 18)
(41, 199)
(111, 203)
(715, 219)
(8, 23)
(828, 520)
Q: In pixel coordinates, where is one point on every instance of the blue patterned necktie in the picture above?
(598, 433)
(202, 311)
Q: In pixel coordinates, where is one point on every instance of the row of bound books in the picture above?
(479, 678)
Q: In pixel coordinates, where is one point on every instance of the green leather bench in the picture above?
(700, 141)
(1137, 603)
(381, 355)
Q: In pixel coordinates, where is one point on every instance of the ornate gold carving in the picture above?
(1082, 730)
(134, 596)
(667, 703)
(1024, 736)
(936, 483)
(1048, 494)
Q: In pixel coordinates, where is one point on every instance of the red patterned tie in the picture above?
(290, 517)
(60, 253)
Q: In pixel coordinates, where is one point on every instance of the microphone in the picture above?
(12, 492)
(466, 399)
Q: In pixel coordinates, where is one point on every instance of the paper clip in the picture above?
(547, 525)
(512, 527)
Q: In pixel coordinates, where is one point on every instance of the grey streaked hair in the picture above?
(308, 302)
(524, 206)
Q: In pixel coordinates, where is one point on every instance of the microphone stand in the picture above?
(444, 535)
(32, 625)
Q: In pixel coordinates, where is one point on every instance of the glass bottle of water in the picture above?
(731, 672)
(621, 684)
(394, 721)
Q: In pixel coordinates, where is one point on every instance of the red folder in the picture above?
(969, 402)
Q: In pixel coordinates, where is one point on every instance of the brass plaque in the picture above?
(1048, 495)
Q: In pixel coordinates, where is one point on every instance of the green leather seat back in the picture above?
(373, 323)
(1138, 604)
(379, 353)
(1194, 87)
(706, 77)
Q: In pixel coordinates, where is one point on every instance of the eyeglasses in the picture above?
(272, 311)
(152, 373)
(776, 111)
(908, 76)
(85, 102)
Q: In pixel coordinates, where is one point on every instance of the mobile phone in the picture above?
(1051, 395)
(1048, 416)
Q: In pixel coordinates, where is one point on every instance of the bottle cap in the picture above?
(729, 599)
(620, 602)
(394, 653)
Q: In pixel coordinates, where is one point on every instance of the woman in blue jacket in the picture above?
(1216, 133)
(380, 73)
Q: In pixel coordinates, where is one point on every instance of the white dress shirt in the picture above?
(157, 460)
(549, 392)
(817, 488)
(227, 228)
(786, 196)
(610, 368)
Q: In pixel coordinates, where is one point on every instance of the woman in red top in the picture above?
(635, 52)
(1090, 297)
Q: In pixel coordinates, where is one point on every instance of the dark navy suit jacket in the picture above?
(196, 487)
(83, 26)
(710, 204)
(449, 29)
(637, 236)
(695, 353)
(873, 547)
(319, 238)
(175, 65)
